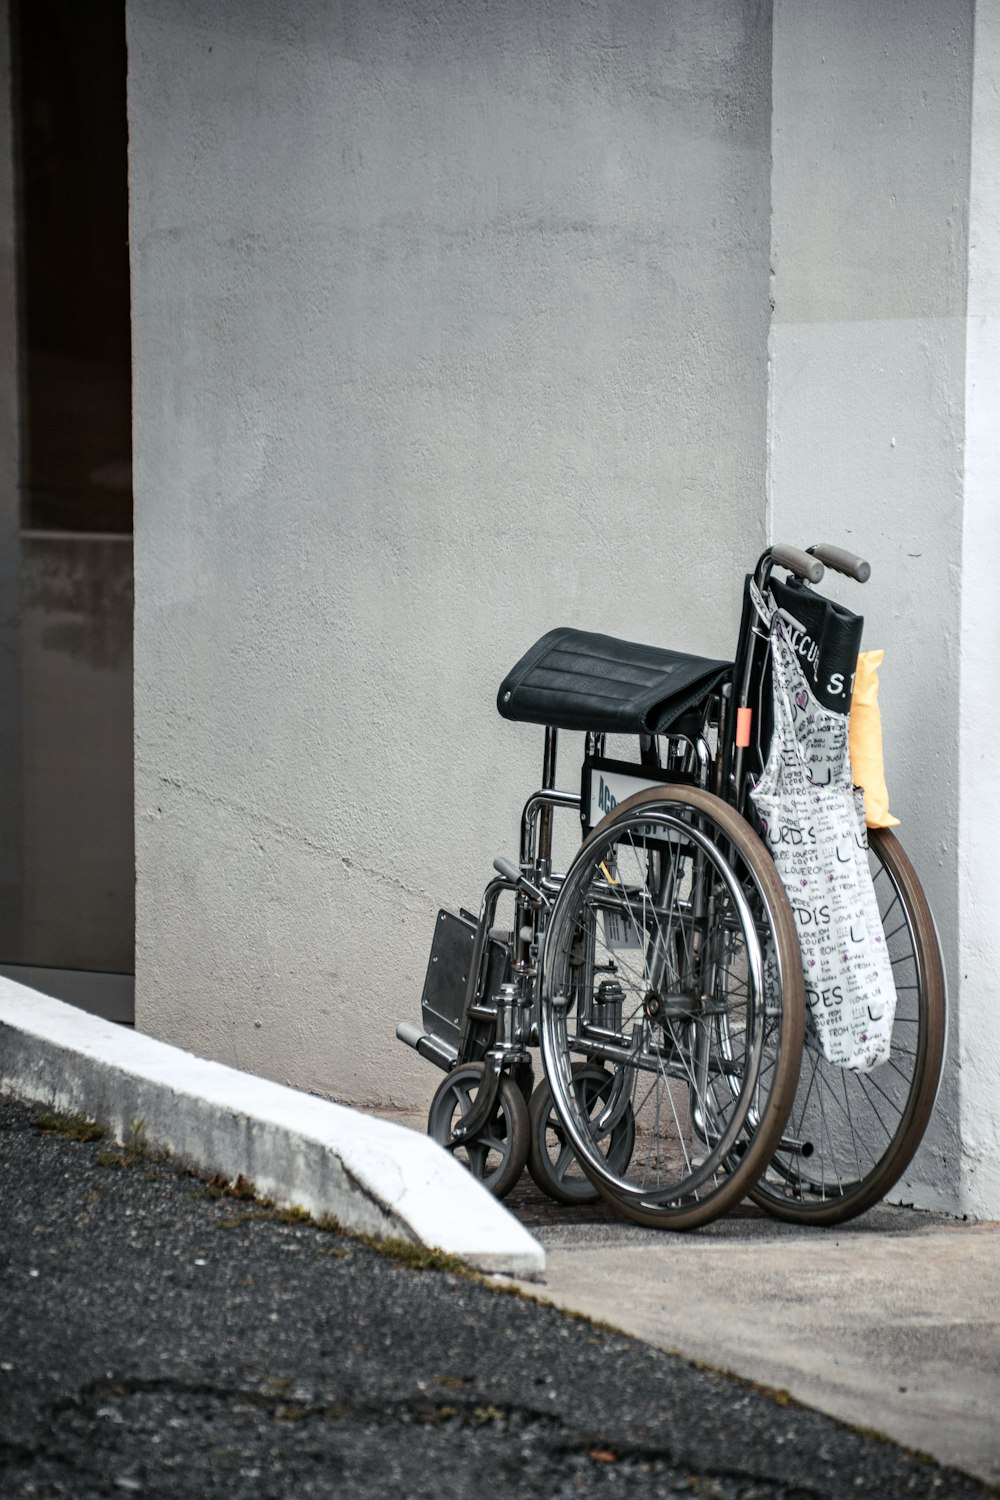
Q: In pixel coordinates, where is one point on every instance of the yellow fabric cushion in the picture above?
(866, 742)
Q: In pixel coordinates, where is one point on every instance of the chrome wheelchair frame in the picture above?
(714, 1022)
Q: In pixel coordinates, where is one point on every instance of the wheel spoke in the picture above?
(564, 1161)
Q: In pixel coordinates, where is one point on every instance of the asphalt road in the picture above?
(159, 1337)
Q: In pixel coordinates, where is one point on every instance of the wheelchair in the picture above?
(659, 977)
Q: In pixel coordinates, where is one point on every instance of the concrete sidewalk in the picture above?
(891, 1322)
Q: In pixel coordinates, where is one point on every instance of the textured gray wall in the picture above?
(450, 325)
(871, 122)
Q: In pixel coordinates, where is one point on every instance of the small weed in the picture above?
(417, 1257)
(134, 1148)
(293, 1215)
(221, 1187)
(70, 1127)
(454, 1382)
(872, 1434)
(265, 1213)
(505, 1288)
(774, 1393)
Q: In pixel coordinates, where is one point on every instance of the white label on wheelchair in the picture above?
(608, 788)
(620, 931)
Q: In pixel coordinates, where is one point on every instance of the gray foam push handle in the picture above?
(797, 561)
(508, 870)
(842, 562)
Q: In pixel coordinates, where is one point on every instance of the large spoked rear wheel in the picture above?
(671, 959)
(850, 1136)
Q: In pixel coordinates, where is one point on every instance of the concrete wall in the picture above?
(449, 326)
(870, 139)
(979, 820)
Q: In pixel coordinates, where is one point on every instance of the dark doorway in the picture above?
(67, 923)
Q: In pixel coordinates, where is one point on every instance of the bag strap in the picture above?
(776, 767)
(782, 690)
(764, 607)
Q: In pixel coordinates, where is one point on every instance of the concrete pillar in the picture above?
(977, 990)
(885, 385)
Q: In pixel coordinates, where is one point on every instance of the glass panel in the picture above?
(72, 140)
(66, 796)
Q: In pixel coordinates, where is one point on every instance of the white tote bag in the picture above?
(810, 823)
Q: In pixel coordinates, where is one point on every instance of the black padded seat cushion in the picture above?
(576, 679)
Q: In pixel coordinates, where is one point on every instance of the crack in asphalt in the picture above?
(453, 1413)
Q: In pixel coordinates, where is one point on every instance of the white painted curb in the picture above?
(373, 1176)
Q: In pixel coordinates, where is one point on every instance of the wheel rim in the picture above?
(496, 1155)
(697, 1026)
(553, 1161)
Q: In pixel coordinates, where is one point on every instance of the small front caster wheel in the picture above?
(496, 1156)
(552, 1161)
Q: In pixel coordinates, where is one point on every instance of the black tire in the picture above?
(497, 1155)
(856, 1133)
(675, 898)
(551, 1159)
